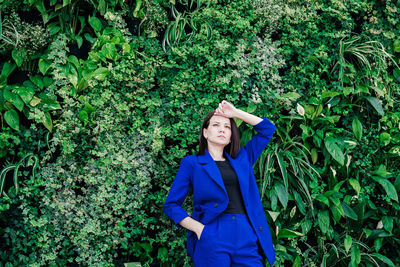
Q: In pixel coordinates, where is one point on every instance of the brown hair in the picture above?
(232, 148)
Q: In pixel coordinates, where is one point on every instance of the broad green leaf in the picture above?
(348, 211)
(95, 23)
(356, 185)
(347, 243)
(287, 233)
(291, 95)
(330, 94)
(282, 194)
(100, 73)
(306, 226)
(376, 104)
(109, 51)
(12, 119)
(384, 138)
(323, 199)
(347, 90)
(387, 223)
(132, 264)
(323, 221)
(19, 56)
(25, 93)
(378, 243)
(357, 128)
(395, 150)
(6, 71)
(35, 100)
(13, 98)
(334, 150)
(300, 203)
(47, 121)
(355, 255)
(83, 116)
(314, 155)
(43, 66)
(297, 261)
(388, 186)
(384, 259)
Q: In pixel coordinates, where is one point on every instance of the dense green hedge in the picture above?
(100, 100)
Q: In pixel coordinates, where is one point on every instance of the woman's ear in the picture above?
(205, 133)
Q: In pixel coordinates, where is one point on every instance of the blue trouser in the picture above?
(227, 241)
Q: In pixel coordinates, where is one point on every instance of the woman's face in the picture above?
(218, 131)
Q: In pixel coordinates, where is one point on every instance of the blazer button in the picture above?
(260, 228)
(216, 205)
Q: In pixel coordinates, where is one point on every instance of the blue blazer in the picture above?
(210, 198)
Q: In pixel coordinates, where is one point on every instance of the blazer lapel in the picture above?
(211, 169)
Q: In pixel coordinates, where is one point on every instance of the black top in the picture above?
(232, 187)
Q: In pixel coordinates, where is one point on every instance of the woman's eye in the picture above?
(228, 127)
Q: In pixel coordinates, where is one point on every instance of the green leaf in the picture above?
(314, 155)
(388, 186)
(35, 100)
(323, 221)
(348, 211)
(291, 95)
(330, 94)
(25, 93)
(384, 138)
(83, 116)
(334, 150)
(13, 98)
(19, 56)
(47, 122)
(355, 255)
(95, 23)
(396, 74)
(376, 104)
(287, 233)
(109, 51)
(384, 259)
(282, 194)
(297, 262)
(100, 73)
(347, 243)
(12, 119)
(322, 199)
(387, 223)
(6, 71)
(356, 185)
(357, 128)
(43, 66)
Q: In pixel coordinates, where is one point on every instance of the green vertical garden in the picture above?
(100, 100)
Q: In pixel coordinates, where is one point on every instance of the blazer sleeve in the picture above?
(265, 129)
(178, 192)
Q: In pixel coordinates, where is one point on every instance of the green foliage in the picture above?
(110, 127)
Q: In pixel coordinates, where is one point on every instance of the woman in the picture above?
(228, 225)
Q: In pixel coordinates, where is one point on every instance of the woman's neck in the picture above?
(216, 152)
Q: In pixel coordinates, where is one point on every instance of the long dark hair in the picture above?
(232, 148)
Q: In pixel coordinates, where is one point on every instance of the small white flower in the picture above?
(329, 106)
(333, 172)
(300, 109)
(380, 225)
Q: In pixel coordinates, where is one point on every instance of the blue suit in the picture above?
(210, 198)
